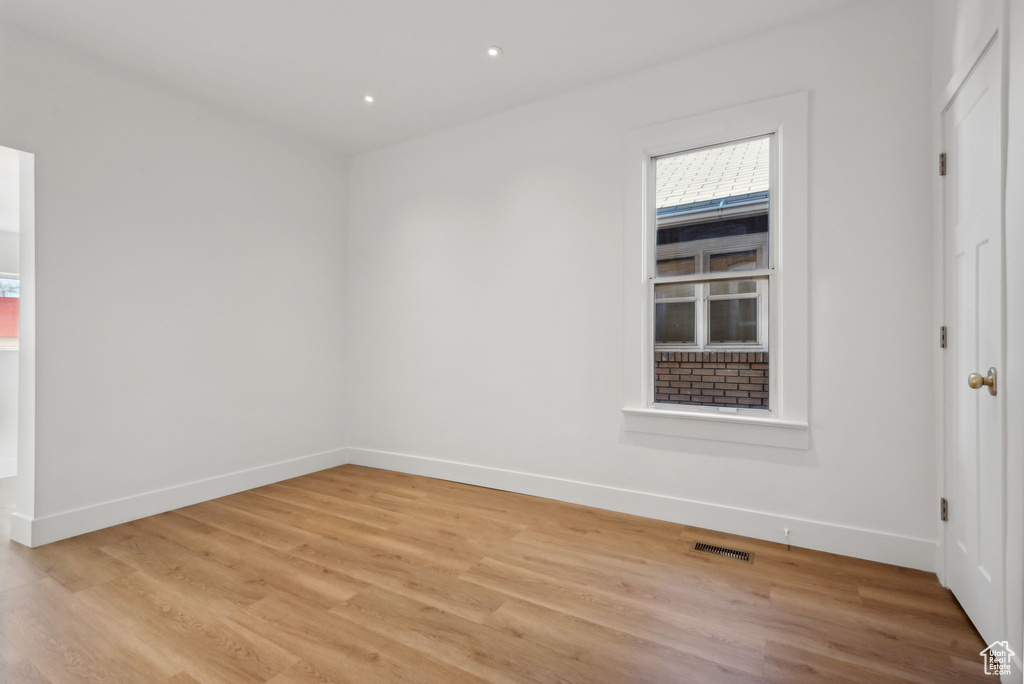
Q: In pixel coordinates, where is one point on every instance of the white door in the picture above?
(974, 458)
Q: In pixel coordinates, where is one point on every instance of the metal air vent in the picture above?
(712, 550)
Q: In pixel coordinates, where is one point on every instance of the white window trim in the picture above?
(786, 423)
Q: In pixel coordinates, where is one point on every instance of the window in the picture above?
(715, 243)
(711, 275)
(10, 300)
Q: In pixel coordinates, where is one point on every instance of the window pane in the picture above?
(729, 287)
(733, 261)
(674, 290)
(718, 194)
(732, 320)
(676, 267)
(675, 322)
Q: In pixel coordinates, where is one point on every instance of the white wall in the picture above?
(190, 291)
(9, 252)
(958, 24)
(485, 313)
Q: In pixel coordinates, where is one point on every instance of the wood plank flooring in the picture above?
(362, 575)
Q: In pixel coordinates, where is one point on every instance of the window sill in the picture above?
(740, 429)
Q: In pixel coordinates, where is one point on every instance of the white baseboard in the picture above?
(8, 468)
(51, 528)
(873, 545)
(848, 541)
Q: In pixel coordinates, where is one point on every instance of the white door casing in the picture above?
(974, 295)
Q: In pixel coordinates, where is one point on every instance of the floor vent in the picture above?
(711, 549)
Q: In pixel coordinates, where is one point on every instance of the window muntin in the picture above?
(712, 208)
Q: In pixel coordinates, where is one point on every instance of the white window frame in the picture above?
(785, 424)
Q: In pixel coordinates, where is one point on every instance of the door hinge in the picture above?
(943, 510)
(942, 164)
(942, 336)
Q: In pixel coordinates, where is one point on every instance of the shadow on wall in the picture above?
(798, 458)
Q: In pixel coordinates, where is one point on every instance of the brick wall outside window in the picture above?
(737, 379)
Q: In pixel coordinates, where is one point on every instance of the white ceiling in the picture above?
(306, 64)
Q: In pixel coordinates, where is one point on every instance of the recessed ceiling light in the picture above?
(494, 51)
(368, 98)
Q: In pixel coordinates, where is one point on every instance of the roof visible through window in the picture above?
(713, 173)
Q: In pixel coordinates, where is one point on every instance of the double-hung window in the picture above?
(716, 275)
(710, 275)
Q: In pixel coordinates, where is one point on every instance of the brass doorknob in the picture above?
(977, 381)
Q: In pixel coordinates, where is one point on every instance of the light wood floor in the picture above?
(362, 575)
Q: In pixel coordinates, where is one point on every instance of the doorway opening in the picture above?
(17, 343)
